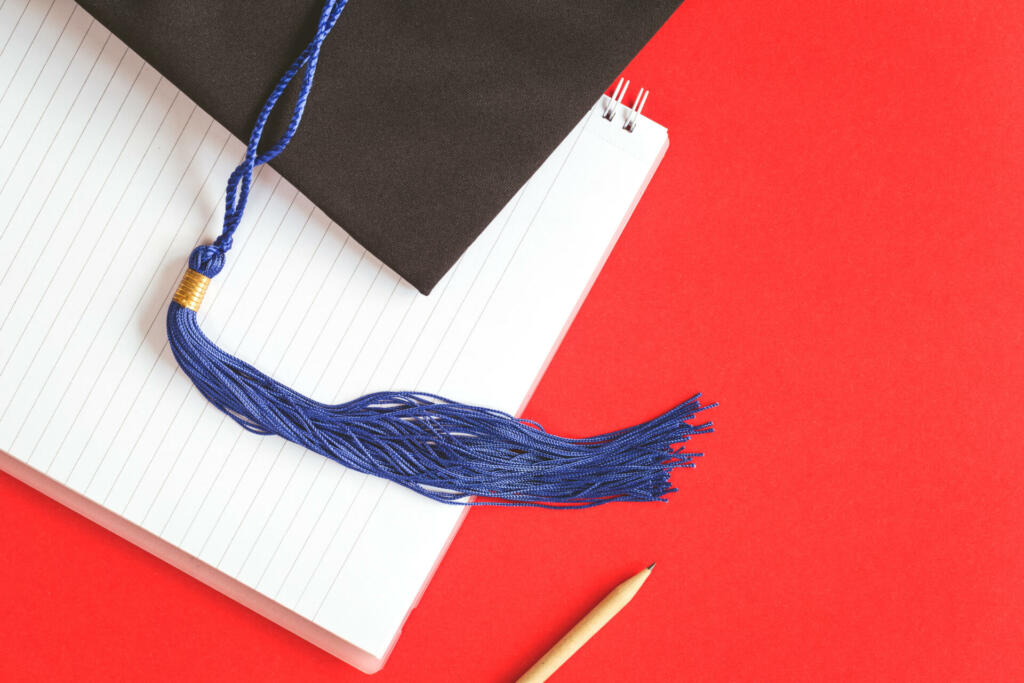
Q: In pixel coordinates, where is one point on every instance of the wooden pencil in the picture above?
(583, 631)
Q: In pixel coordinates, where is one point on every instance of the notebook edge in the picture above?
(179, 559)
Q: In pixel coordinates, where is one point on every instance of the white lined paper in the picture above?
(109, 176)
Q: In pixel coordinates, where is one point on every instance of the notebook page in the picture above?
(108, 177)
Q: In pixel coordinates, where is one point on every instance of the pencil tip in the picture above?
(652, 566)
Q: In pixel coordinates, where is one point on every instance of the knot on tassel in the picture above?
(207, 259)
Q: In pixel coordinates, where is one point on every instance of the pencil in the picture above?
(586, 628)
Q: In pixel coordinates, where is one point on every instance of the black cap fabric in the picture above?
(425, 117)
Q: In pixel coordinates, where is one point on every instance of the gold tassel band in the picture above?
(192, 290)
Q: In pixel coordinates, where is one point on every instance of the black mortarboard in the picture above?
(426, 117)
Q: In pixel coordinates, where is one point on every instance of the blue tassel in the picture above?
(441, 449)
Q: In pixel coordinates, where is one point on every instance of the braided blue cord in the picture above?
(439, 448)
(211, 257)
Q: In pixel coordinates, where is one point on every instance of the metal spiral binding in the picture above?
(633, 114)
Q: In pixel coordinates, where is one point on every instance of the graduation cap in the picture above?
(426, 118)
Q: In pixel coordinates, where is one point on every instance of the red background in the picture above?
(831, 249)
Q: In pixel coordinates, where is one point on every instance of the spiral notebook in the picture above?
(108, 176)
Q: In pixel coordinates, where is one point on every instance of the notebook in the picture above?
(108, 176)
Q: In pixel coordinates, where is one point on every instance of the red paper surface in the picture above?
(832, 250)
